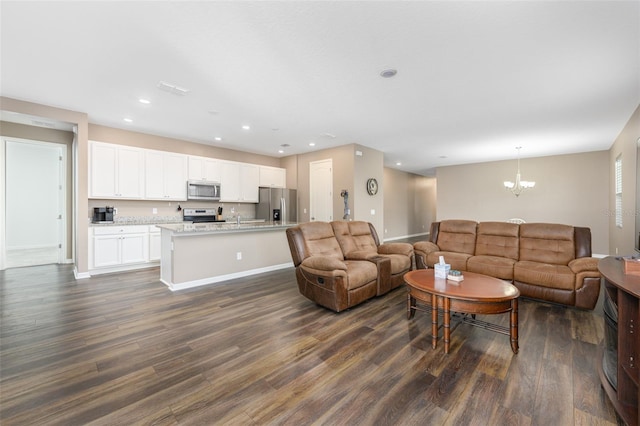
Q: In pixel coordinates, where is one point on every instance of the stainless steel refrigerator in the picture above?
(277, 205)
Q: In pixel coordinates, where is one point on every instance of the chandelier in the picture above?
(519, 185)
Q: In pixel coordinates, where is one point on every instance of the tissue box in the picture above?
(441, 271)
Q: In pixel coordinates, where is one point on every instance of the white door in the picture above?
(321, 190)
(35, 203)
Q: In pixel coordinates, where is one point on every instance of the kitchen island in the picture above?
(195, 254)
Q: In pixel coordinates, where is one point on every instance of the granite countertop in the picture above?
(140, 220)
(217, 227)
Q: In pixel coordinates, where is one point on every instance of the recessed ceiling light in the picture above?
(398, 163)
(217, 138)
(246, 127)
(128, 120)
(281, 151)
(388, 73)
(312, 144)
(144, 101)
(329, 135)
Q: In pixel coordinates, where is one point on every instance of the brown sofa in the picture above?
(341, 264)
(546, 261)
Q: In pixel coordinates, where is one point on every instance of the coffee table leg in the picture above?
(411, 306)
(447, 322)
(434, 321)
(514, 325)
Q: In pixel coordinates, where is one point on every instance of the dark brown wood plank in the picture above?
(123, 349)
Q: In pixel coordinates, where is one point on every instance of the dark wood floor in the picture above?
(122, 349)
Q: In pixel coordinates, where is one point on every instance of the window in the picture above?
(618, 178)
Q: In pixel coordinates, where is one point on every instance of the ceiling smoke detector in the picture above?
(388, 73)
(172, 88)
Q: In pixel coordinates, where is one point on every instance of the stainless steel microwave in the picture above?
(203, 190)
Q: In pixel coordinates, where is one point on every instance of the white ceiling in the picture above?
(475, 79)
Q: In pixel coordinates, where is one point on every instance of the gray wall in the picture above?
(625, 144)
(570, 189)
(409, 204)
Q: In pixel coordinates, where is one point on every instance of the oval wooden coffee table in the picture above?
(476, 294)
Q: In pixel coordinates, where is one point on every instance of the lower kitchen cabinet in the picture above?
(154, 243)
(115, 246)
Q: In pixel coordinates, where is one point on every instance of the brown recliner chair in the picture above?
(323, 274)
(359, 241)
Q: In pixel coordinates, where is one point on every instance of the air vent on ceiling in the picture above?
(172, 88)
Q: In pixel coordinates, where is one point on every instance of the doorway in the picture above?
(321, 190)
(35, 203)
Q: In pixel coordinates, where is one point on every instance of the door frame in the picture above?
(62, 195)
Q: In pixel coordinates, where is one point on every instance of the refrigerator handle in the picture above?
(283, 207)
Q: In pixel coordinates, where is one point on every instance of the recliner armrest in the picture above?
(583, 264)
(425, 247)
(396, 248)
(324, 263)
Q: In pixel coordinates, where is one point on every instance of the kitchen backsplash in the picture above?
(169, 209)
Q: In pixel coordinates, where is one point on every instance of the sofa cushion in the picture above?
(360, 272)
(457, 236)
(544, 275)
(547, 243)
(354, 236)
(399, 263)
(320, 240)
(498, 239)
(494, 266)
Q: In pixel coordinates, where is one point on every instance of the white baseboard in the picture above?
(220, 278)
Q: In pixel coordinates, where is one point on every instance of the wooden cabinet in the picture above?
(165, 176)
(115, 171)
(203, 168)
(119, 245)
(239, 182)
(623, 290)
(273, 177)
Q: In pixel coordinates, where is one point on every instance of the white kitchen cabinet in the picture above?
(249, 183)
(273, 177)
(154, 243)
(165, 175)
(119, 245)
(203, 168)
(239, 182)
(115, 171)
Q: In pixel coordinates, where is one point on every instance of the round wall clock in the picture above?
(372, 186)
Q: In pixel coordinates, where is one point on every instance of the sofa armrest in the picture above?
(584, 264)
(425, 247)
(324, 263)
(360, 255)
(396, 248)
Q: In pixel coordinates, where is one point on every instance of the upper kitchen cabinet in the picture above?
(239, 182)
(203, 168)
(273, 176)
(115, 171)
(165, 175)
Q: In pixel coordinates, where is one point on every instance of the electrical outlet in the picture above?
(239, 255)
(155, 211)
(373, 212)
(115, 210)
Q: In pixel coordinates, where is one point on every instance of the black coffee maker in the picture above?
(102, 215)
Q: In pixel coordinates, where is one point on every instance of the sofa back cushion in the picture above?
(354, 236)
(547, 243)
(319, 240)
(498, 239)
(457, 236)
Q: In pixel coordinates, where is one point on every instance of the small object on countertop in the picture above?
(631, 266)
